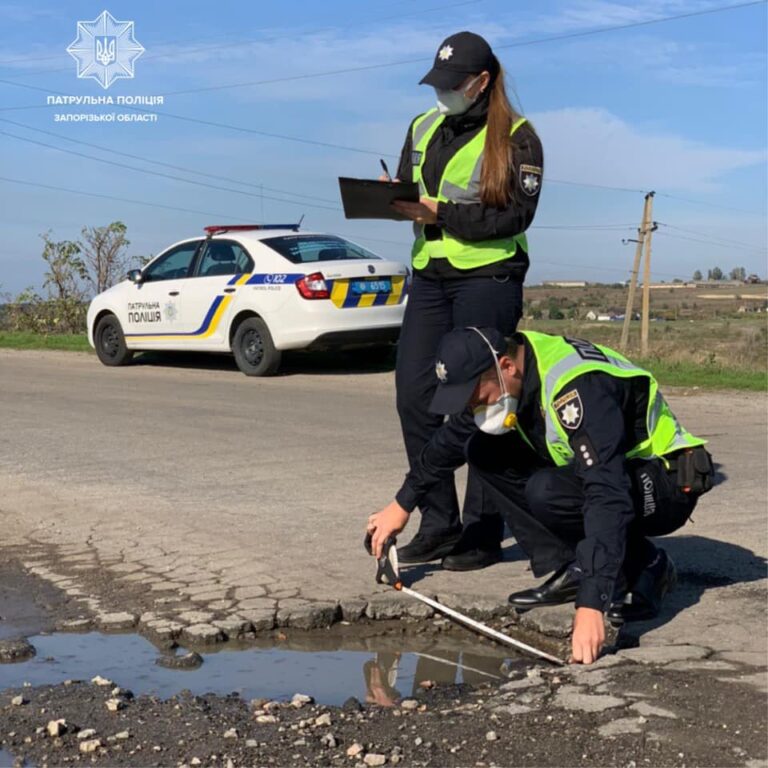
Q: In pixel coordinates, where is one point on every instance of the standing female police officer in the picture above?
(479, 168)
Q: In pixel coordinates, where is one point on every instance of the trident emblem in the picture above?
(106, 50)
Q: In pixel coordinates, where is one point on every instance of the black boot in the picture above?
(423, 547)
(561, 587)
(644, 600)
(472, 558)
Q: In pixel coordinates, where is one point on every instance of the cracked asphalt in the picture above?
(187, 499)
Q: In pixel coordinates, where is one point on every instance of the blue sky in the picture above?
(678, 107)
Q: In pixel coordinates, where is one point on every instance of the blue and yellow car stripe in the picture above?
(341, 296)
(207, 327)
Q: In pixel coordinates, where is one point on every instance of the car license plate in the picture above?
(359, 287)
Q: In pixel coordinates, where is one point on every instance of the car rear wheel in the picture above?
(110, 342)
(254, 350)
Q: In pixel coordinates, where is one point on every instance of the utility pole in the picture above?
(651, 227)
(641, 232)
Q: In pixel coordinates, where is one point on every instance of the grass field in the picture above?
(713, 353)
(723, 353)
(71, 342)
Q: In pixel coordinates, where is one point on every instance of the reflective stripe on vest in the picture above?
(559, 363)
(460, 183)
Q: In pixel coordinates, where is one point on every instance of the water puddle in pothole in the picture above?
(378, 670)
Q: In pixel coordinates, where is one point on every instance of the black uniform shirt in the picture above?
(606, 417)
(445, 451)
(476, 221)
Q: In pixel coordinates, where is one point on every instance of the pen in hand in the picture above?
(386, 170)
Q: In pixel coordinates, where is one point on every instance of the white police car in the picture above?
(254, 290)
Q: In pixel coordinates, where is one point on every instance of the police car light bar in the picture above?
(217, 229)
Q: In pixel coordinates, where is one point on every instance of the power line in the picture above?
(723, 240)
(565, 227)
(165, 175)
(329, 145)
(596, 186)
(703, 242)
(519, 44)
(631, 24)
(214, 124)
(343, 147)
(101, 195)
(708, 204)
(113, 151)
(585, 227)
(238, 43)
(372, 152)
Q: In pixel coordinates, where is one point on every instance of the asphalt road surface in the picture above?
(241, 497)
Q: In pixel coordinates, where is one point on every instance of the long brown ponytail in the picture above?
(497, 160)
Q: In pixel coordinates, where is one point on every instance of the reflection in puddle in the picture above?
(383, 672)
(371, 672)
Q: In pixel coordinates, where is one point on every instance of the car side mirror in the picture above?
(135, 276)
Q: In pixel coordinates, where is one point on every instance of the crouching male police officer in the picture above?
(585, 460)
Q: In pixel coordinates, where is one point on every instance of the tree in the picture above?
(66, 269)
(715, 274)
(64, 310)
(104, 256)
(697, 275)
(738, 273)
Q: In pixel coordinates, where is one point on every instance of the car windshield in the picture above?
(304, 249)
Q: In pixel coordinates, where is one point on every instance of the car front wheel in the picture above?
(110, 342)
(254, 350)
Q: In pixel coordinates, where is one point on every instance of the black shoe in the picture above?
(471, 559)
(423, 548)
(559, 588)
(644, 600)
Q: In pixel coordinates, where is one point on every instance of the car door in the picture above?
(209, 294)
(152, 314)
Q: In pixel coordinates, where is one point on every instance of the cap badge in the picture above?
(441, 371)
(445, 53)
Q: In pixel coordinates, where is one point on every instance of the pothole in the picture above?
(331, 670)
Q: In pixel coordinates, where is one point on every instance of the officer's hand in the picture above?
(389, 521)
(384, 177)
(588, 635)
(423, 212)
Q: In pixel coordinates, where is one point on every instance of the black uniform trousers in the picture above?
(435, 307)
(543, 505)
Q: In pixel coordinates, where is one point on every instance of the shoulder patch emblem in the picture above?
(569, 409)
(530, 179)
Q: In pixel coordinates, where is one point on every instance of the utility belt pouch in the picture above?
(695, 470)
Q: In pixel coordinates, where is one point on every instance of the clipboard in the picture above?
(370, 198)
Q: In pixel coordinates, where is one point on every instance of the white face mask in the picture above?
(501, 416)
(455, 102)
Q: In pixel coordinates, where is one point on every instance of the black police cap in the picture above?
(459, 55)
(462, 356)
